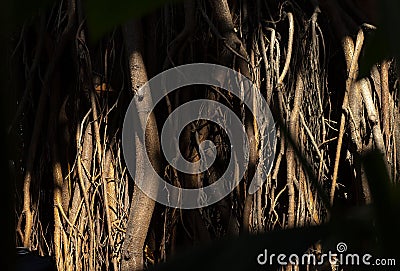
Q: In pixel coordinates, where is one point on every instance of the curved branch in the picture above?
(289, 50)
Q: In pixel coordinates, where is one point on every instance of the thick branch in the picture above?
(290, 155)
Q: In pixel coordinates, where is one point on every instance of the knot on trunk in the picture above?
(127, 254)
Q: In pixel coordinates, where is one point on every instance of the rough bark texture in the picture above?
(141, 207)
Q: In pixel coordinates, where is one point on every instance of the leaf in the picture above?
(385, 42)
(103, 15)
(17, 12)
(386, 202)
(240, 253)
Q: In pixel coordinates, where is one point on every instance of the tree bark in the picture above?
(142, 207)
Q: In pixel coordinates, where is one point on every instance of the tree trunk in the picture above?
(141, 208)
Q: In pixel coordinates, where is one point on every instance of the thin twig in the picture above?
(314, 143)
